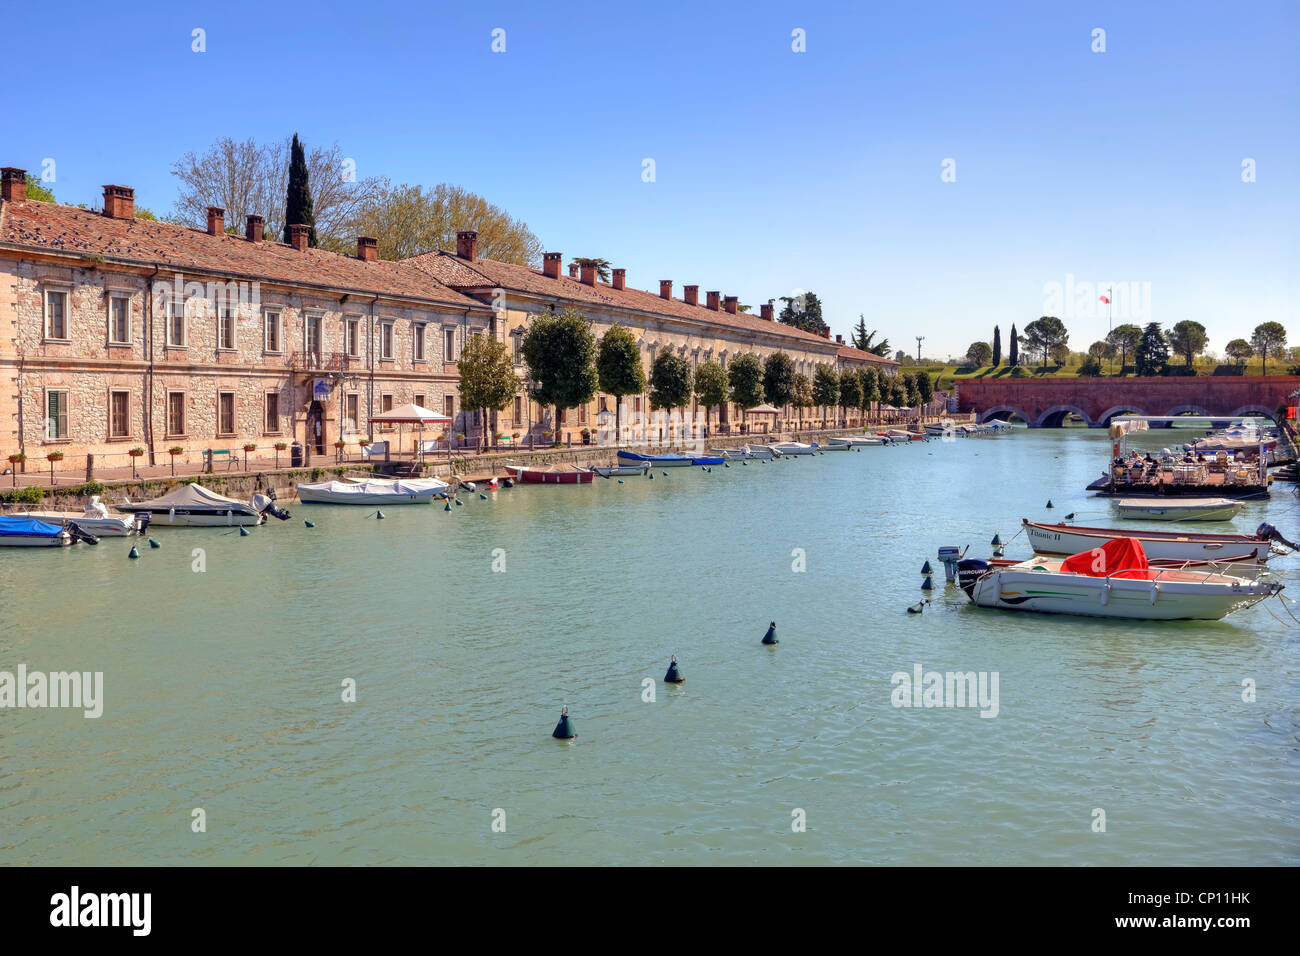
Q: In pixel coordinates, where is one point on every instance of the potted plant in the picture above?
(586, 436)
(174, 451)
(279, 447)
(248, 446)
(16, 459)
(135, 454)
(52, 457)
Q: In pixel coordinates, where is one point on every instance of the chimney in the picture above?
(367, 248)
(826, 333)
(467, 244)
(253, 228)
(573, 270)
(839, 340)
(589, 273)
(730, 304)
(665, 288)
(216, 221)
(713, 300)
(620, 278)
(299, 235)
(765, 310)
(119, 202)
(692, 294)
(13, 184)
(551, 264)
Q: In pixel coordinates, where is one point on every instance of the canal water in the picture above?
(466, 632)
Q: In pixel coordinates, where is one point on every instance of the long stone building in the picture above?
(122, 333)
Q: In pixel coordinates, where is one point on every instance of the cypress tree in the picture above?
(298, 204)
(997, 346)
(1013, 358)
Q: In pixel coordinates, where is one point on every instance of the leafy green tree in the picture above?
(1269, 340)
(1239, 350)
(997, 347)
(869, 384)
(825, 387)
(487, 375)
(850, 389)
(560, 350)
(924, 388)
(1013, 357)
(1045, 334)
(803, 312)
(619, 371)
(980, 354)
(913, 391)
(864, 340)
(711, 387)
(745, 379)
(779, 379)
(298, 205)
(1099, 350)
(897, 392)
(1091, 367)
(37, 191)
(1188, 338)
(670, 381)
(1124, 339)
(1152, 352)
(803, 394)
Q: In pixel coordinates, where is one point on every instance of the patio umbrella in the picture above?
(411, 414)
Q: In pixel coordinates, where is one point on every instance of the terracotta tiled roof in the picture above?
(486, 273)
(849, 352)
(67, 229)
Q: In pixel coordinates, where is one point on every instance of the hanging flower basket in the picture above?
(17, 459)
(176, 450)
(340, 444)
(250, 447)
(136, 452)
(281, 445)
(54, 456)
(364, 442)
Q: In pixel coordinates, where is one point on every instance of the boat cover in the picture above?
(27, 528)
(418, 486)
(189, 497)
(1117, 554)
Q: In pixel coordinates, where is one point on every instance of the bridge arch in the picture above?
(1002, 411)
(1258, 411)
(1054, 417)
(1104, 418)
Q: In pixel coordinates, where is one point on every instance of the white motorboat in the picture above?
(866, 441)
(96, 519)
(760, 451)
(1113, 580)
(744, 453)
(1177, 509)
(622, 471)
(837, 444)
(793, 448)
(193, 506)
(372, 491)
(22, 532)
(1064, 539)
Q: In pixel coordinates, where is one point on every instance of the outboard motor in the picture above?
(970, 570)
(1266, 532)
(142, 519)
(80, 534)
(263, 504)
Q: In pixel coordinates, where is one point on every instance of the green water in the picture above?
(223, 688)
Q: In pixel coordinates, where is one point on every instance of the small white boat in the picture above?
(1064, 539)
(760, 451)
(837, 444)
(372, 491)
(24, 532)
(193, 506)
(622, 471)
(867, 441)
(793, 448)
(96, 519)
(1114, 580)
(1174, 509)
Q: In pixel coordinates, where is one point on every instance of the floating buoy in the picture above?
(564, 729)
(154, 544)
(702, 468)
(927, 584)
(917, 608)
(482, 497)
(926, 569)
(710, 471)
(727, 464)
(459, 503)
(998, 552)
(665, 474)
(1049, 502)
(744, 464)
(620, 481)
(997, 541)
(447, 506)
(133, 553)
(650, 476)
(379, 516)
(310, 524)
(674, 676)
(510, 482)
(1069, 517)
(243, 532)
(770, 636)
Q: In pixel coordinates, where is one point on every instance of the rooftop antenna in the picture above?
(919, 340)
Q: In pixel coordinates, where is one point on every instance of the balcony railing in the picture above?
(318, 361)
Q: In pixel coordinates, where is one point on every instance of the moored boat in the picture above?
(659, 461)
(1183, 509)
(1063, 539)
(372, 491)
(552, 474)
(793, 448)
(708, 460)
(837, 444)
(866, 441)
(621, 471)
(95, 519)
(23, 532)
(1114, 580)
(193, 506)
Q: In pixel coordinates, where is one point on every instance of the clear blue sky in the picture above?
(775, 171)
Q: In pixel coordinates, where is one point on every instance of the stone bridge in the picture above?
(1045, 403)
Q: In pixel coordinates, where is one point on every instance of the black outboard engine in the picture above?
(1266, 532)
(970, 570)
(80, 534)
(265, 504)
(142, 519)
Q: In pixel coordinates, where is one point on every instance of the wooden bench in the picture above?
(232, 457)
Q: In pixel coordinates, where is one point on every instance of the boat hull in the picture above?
(622, 471)
(658, 461)
(530, 477)
(1132, 510)
(371, 493)
(1066, 540)
(24, 541)
(184, 518)
(114, 526)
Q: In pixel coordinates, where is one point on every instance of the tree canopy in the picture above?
(1239, 350)
(745, 379)
(560, 350)
(1152, 352)
(803, 312)
(1188, 338)
(996, 357)
(619, 370)
(1269, 340)
(670, 381)
(1043, 335)
(825, 386)
(1124, 339)
(980, 354)
(779, 379)
(487, 374)
(298, 210)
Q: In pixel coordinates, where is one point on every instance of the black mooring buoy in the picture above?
(1049, 502)
(726, 464)
(133, 553)
(564, 729)
(310, 524)
(482, 497)
(770, 636)
(665, 474)
(997, 540)
(650, 476)
(674, 676)
(154, 544)
(243, 532)
(459, 503)
(620, 481)
(927, 584)
(1069, 517)
(918, 607)
(447, 506)
(926, 569)
(379, 515)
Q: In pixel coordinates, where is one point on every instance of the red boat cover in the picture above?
(1117, 554)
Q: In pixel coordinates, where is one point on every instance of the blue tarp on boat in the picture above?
(27, 528)
(707, 461)
(658, 459)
